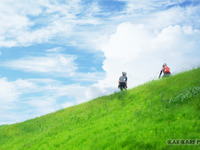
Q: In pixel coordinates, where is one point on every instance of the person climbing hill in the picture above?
(122, 83)
(165, 70)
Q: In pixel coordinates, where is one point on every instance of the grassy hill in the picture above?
(145, 117)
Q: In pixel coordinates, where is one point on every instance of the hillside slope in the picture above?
(144, 117)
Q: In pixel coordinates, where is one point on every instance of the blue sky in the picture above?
(55, 54)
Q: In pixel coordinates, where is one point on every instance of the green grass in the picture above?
(144, 117)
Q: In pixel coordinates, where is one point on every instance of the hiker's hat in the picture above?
(164, 64)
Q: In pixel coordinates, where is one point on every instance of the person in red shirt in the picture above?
(165, 70)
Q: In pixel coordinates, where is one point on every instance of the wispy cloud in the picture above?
(55, 64)
(7, 91)
(25, 23)
(38, 97)
(55, 50)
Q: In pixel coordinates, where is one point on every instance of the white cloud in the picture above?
(67, 104)
(25, 23)
(8, 91)
(56, 64)
(42, 105)
(55, 50)
(25, 99)
(11, 92)
(184, 16)
(142, 6)
(88, 76)
(146, 6)
(141, 51)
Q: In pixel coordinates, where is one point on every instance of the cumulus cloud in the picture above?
(141, 51)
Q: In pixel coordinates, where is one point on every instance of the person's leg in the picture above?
(124, 85)
(166, 74)
(120, 86)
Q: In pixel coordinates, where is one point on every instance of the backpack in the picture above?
(166, 69)
(122, 79)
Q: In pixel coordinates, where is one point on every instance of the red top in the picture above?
(166, 69)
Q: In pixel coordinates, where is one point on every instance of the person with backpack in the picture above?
(122, 83)
(165, 70)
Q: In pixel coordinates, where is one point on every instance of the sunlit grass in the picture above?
(139, 118)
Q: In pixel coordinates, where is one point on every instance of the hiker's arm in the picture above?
(160, 73)
(126, 81)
